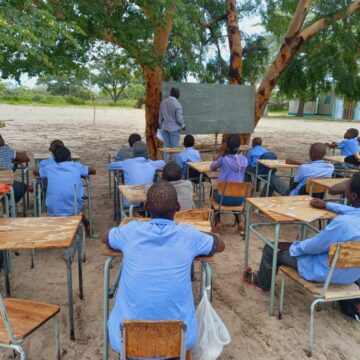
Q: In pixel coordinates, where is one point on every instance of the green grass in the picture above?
(48, 100)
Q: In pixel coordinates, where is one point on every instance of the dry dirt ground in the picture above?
(244, 310)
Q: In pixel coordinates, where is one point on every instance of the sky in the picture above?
(250, 25)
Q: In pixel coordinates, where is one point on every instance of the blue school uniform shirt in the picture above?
(254, 154)
(312, 254)
(7, 155)
(187, 155)
(349, 146)
(61, 181)
(155, 281)
(46, 162)
(315, 169)
(137, 171)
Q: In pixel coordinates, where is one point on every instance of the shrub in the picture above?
(74, 100)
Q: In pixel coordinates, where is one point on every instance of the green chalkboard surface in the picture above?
(215, 108)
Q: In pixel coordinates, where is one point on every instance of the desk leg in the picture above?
(109, 173)
(268, 182)
(200, 190)
(89, 206)
(122, 212)
(80, 261)
(7, 272)
(274, 264)
(27, 183)
(256, 178)
(247, 235)
(107, 266)
(24, 195)
(70, 293)
(115, 199)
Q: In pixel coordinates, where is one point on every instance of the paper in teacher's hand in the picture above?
(159, 135)
(301, 213)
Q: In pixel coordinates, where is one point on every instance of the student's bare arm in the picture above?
(105, 239)
(21, 157)
(293, 162)
(92, 171)
(220, 244)
(338, 189)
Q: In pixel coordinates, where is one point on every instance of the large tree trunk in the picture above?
(153, 80)
(301, 107)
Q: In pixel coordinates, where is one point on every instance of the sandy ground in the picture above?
(255, 335)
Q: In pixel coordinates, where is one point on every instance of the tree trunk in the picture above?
(300, 111)
(153, 80)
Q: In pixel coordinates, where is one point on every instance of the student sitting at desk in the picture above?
(350, 144)
(232, 169)
(253, 156)
(64, 193)
(138, 170)
(317, 168)
(184, 188)
(310, 257)
(155, 282)
(7, 157)
(126, 152)
(189, 154)
(53, 145)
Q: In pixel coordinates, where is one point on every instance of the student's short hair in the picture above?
(54, 144)
(162, 200)
(355, 184)
(257, 141)
(233, 143)
(175, 92)
(133, 138)
(354, 133)
(189, 141)
(171, 172)
(62, 154)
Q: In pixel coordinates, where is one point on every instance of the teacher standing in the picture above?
(171, 119)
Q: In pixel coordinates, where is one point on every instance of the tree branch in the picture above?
(321, 24)
(214, 21)
(298, 18)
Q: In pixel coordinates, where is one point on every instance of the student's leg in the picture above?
(277, 184)
(19, 190)
(249, 174)
(265, 270)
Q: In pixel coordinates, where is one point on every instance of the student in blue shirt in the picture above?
(310, 257)
(253, 156)
(53, 145)
(64, 184)
(155, 282)
(138, 170)
(317, 168)
(126, 152)
(350, 144)
(7, 158)
(189, 154)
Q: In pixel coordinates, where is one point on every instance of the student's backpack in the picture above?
(269, 155)
(351, 308)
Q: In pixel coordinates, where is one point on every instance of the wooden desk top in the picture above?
(200, 225)
(133, 193)
(277, 164)
(43, 156)
(328, 182)
(6, 177)
(335, 158)
(38, 232)
(298, 206)
(202, 166)
(171, 150)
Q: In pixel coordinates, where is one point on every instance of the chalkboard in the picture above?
(215, 108)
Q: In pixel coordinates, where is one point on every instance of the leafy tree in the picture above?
(113, 71)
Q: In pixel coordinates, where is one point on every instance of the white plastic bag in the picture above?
(159, 135)
(212, 333)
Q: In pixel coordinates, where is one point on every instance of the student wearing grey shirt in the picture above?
(171, 119)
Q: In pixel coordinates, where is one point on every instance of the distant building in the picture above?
(328, 105)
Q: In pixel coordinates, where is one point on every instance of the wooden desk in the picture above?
(42, 156)
(272, 165)
(133, 194)
(7, 177)
(326, 183)
(166, 152)
(335, 159)
(206, 275)
(293, 204)
(45, 233)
